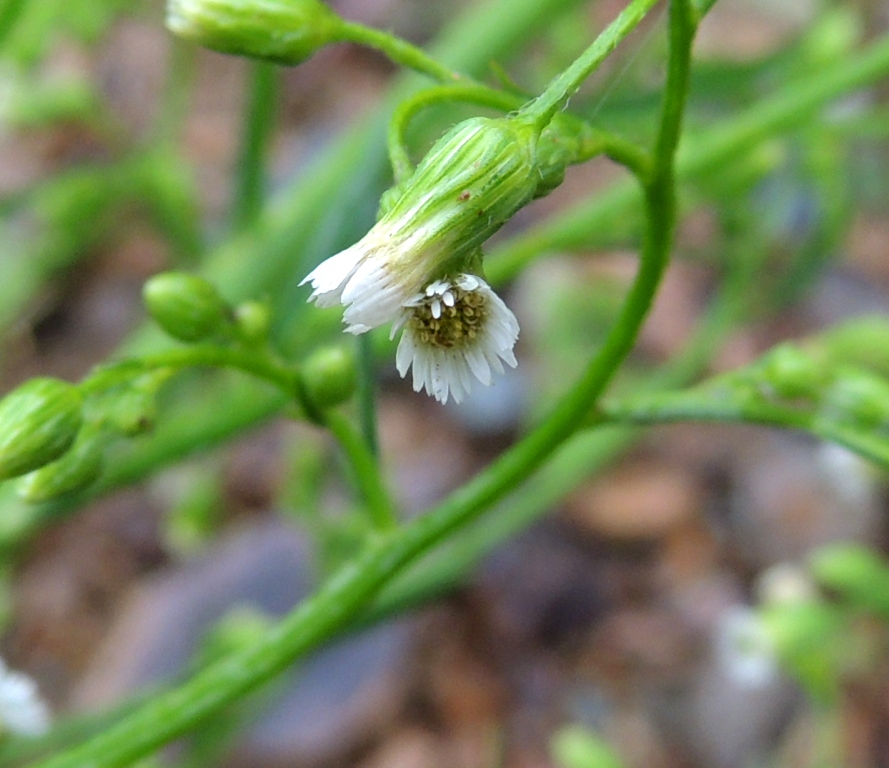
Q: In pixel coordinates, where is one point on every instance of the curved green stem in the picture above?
(791, 106)
(398, 50)
(367, 473)
(9, 16)
(468, 92)
(542, 109)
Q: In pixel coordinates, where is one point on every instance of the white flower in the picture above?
(745, 648)
(454, 331)
(22, 711)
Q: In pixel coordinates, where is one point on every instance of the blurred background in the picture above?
(624, 607)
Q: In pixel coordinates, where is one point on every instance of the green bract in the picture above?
(283, 31)
(468, 185)
(38, 422)
(185, 306)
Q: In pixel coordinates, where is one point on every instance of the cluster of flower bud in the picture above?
(189, 309)
(840, 394)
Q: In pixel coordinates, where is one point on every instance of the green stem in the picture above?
(367, 473)
(398, 50)
(467, 92)
(258, 129)
(176, 99)
(542, 109)
(594, 141)
(204, 355)
(789, 107)
(367, 392)
(9, 15)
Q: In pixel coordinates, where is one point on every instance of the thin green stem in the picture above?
(398, 50)
(467, 92)
(9, 16)
(257, 133)
(789, 107)
(593, 140)
(203, 355)
(176, 99)
(542, 109)
(367, 392)
(367, 473)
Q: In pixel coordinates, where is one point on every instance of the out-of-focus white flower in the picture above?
(847, 474)
(22, 711)
(454, 331)
(785, 584)
(744, 647)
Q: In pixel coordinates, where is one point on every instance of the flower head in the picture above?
(22, 711)
(468, 185)
(454, 331)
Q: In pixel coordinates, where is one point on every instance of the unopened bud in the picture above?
(856, 573)
(792, 372)
(329, 377)
(186, 306)
(283, 31)
(253, 320)
(859, 398)
(38, 422)
(77, 469)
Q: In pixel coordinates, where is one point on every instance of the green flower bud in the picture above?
(38, 423)
(283, 31)
(559, 146)
(576, 747)
(329, 377)
(859, 398)
(186, 306)
(468, 185)
(77, 469)
(132, 408)
(793, 373)
(253, 320)
(856, 573)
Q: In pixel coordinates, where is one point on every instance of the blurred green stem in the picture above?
(257, 132)
(9, 15)
(789, 107)
(367, 392)
(398, 50)
(367, 473)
